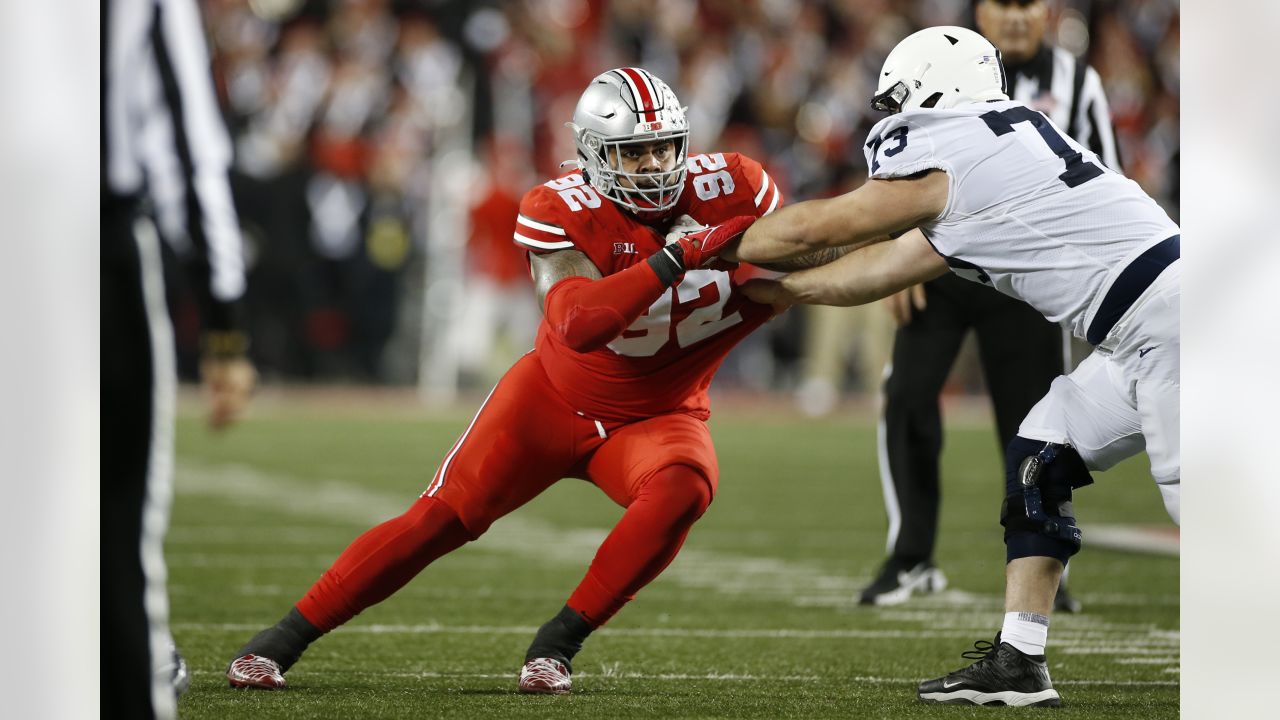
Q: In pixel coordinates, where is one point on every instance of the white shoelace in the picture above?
(545, 670)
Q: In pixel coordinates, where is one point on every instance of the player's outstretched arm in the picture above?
(863, 216)
(586, 311)
(864, 275)
(810, 260)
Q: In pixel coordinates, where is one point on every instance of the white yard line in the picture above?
(515, 534)
(953, 615)
(1066, 640)
(1157, 540)
(797, 582)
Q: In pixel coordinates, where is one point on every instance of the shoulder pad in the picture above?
(540, 226)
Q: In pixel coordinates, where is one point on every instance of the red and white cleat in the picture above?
(546, 676)
(255, 671)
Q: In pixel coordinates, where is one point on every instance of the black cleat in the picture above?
(1002, 675)
(899, 580)
(1064, 602)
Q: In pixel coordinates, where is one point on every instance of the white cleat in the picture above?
(255, 671)
(545, 676)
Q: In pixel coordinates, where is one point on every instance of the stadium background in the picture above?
(378, 145)
(382, 146)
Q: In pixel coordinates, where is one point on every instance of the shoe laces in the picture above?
(256, 666)
(982, 649)
(545, 670)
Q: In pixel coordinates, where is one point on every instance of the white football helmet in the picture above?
(622, 106)
(940, 67)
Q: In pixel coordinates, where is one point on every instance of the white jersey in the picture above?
(1029, 211)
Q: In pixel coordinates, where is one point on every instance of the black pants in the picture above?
(1021, 354)
(127, 372)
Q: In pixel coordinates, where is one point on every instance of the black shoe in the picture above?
(1064, 602)
(1002, 675)
(898, 580)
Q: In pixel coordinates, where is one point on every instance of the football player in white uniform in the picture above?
(964, 179)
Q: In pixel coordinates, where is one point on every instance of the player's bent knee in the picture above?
(684, 489)
(429, 514)
(1037, 513)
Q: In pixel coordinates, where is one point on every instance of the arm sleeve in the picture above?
(200, 144)
(588, 314)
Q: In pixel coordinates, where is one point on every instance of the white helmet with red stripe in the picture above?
(622, 106)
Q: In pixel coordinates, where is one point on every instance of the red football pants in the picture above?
(524, 438)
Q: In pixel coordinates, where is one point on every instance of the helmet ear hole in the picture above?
(931, 100)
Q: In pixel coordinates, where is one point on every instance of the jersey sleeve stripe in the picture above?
(776, 196)
(542, 245)
(554, 230)
(764, 187)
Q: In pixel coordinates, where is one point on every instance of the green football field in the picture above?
(757, 617)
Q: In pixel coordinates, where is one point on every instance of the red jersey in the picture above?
(664, 362)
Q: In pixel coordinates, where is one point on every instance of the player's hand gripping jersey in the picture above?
(1030, 211)
(665, 360)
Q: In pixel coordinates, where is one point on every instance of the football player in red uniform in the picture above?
(614, 391)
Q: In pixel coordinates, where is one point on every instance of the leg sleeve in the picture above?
(663, 471)
(523, 439)
(507, 455)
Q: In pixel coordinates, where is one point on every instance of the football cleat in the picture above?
(1002, 675)
(175, 672)
(181, 677)
(897, 582)
(546, 676)
(255, 671)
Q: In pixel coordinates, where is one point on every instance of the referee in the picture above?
(159, 126)
(1021, 352)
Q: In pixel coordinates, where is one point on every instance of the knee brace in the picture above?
(1037, 514)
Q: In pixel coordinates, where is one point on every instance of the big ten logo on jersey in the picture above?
(692, 311)
(710, 179)
(575, 192)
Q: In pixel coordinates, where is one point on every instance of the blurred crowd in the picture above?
(339, 110)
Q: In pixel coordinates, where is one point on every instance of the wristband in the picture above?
(668, 263)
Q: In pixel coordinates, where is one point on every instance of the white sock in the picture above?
(1026, 631)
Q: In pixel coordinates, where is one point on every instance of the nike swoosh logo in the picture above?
(887, 74)
(1143, 352)
(604, 117)
(946, 684)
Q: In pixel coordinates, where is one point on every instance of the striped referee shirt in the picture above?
(162, 136)
(1070, 92)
